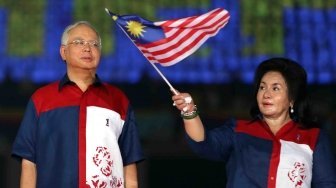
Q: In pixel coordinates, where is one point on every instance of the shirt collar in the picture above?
(65, 81)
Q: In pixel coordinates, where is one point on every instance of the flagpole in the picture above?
(114, 17)
(164, 78)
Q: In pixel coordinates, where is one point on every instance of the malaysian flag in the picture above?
(168, 42)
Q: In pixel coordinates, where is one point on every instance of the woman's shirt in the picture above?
(255, 157)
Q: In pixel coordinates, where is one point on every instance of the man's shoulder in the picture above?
(48, 89)
(114, 90)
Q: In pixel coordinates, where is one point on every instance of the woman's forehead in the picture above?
(272, 77)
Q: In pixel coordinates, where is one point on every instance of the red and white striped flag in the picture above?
(168, 42)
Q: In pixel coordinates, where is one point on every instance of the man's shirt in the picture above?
(78, 138)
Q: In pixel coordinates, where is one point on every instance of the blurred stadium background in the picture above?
(219, 74)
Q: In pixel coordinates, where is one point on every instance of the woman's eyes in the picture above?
(273, 88)
(276, 88)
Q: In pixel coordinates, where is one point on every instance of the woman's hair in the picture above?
(296, 79)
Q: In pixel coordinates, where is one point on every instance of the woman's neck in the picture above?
(275, 124)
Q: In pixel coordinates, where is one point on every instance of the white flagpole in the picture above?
(157, 70)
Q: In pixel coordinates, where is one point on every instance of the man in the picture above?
(79, 131)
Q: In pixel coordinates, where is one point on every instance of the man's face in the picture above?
(82, 51)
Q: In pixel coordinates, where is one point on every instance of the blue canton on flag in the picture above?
(140, 30)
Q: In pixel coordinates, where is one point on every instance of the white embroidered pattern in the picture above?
(298, 174)
(102, 159)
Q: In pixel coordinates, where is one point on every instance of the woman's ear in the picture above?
(291, 104)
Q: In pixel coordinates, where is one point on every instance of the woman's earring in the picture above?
(291, 110)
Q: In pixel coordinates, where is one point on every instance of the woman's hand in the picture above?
(192, 122)
(183, 102)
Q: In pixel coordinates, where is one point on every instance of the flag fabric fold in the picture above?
(168, 42)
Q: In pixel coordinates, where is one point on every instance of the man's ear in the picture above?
(62, 52)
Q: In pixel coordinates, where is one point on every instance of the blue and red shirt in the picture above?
(78, 139)
(255, 157)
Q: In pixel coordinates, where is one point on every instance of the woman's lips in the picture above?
(267, 104)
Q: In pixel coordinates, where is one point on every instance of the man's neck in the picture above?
(82, 79)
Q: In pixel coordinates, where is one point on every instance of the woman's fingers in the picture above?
(182, 101)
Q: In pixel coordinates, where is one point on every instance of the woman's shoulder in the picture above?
(233, 122)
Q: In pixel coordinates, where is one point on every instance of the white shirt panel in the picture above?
(295, 166)
(104, 165)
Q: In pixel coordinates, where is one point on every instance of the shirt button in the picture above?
(272, 178)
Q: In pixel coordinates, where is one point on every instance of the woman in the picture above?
(281, 146)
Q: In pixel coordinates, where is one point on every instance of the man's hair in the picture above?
(65, 35)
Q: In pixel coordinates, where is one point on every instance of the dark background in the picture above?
(169, 162)
(218, 75)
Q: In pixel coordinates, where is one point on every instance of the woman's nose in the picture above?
(267, 94)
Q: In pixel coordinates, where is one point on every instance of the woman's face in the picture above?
(272, 96)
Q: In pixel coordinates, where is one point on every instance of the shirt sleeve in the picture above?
(324, 163)
(24, 143)
(218, 142)
(129, 141)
